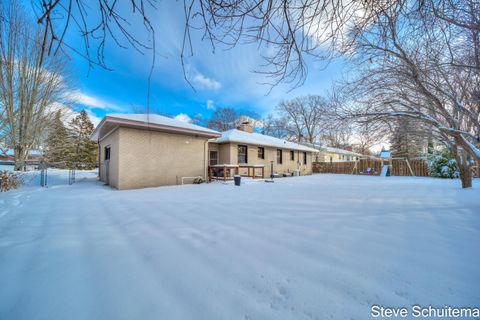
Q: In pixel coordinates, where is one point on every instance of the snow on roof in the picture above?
(385, 154)
(340, 151)
(151, 120)
(235, 135)
(158, 119)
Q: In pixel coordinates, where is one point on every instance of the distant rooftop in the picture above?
(340, 151)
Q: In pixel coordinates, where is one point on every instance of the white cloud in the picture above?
(202, 82)
(210, 105)
(183, 117)
(68, 114)
(93, 102)
(95, 120)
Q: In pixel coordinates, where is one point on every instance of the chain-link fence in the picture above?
(45, 174)
(56, 172)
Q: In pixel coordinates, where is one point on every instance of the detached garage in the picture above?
(148, 150)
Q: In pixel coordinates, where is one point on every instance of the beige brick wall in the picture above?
(229, 154)
(225, 155)
(150, 158)
(142, 158)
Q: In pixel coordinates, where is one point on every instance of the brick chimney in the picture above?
(245, 124)
(348, 148)
(245, 127)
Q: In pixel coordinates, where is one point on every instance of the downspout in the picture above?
(298, 160)
(205, 147)
(99, 158)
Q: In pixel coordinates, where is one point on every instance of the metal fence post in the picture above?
(43, 176)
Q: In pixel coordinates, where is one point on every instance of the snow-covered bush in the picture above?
(9, 180)
(442, 165)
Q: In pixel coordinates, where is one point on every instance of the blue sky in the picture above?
(221, 79)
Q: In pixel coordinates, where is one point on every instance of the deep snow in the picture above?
(317, 247)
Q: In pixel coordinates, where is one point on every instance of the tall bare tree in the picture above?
(98, 22)
(408, 139)
(30, 83)
(277, 127)
(306, 117)
(288, 30)
(223, 119)
(337, 132)
(369, 134)
(416, 65)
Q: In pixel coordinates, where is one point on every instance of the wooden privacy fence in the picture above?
(373, 167)
(400, 168)
(333, 167)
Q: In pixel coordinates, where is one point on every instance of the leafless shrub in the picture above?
(9, 180)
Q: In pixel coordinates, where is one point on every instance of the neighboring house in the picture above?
(330, 154)
(34, 156)
(244, 147)
(140, 150)
(5, 156)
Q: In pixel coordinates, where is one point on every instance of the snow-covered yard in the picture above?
(317, 247)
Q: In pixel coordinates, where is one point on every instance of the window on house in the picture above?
(304, 158)
(292, 155)
(279, 156)
(213, 158)
(261, 153)
(107, 153)
(242, 154)
(331, 158)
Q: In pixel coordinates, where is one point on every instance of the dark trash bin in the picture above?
(237, 179)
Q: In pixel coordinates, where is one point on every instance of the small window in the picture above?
(304, 158)
(242, 154)
(213, 158)
(292, 155)
(261, 153)
(331, 158)
(279, 156)
(107, 153)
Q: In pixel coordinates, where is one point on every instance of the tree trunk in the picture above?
(465, 175)
(19, 158)
(465, 168)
